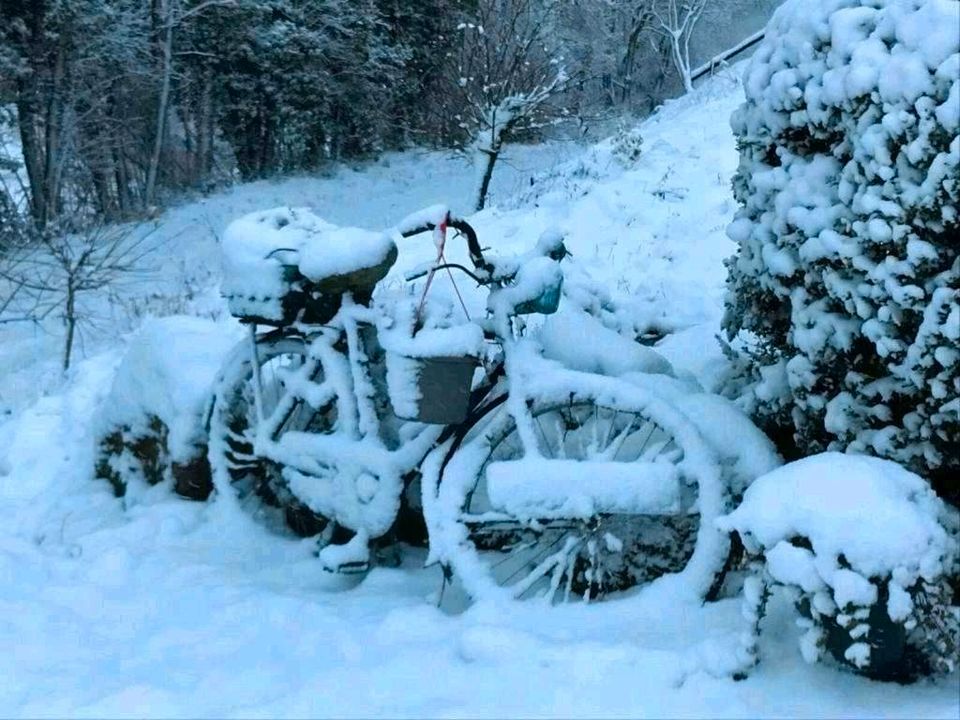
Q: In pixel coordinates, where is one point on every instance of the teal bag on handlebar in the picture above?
(545, 304)
(535, 288)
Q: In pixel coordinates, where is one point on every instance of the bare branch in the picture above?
(54, 273)
(676, 20)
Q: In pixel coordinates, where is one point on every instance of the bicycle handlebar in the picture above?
(462, 226)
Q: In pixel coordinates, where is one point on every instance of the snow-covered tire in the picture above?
(499, 554)
(257, 481)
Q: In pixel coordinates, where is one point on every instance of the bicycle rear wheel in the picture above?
(618, 491)
(258, 481)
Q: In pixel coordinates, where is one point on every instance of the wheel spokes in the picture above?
(585, 557)
(295, 397)
(554, 562)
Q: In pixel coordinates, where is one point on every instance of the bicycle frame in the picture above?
(357, 473)
(360, 451)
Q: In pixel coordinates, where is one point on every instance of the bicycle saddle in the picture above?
(340, 259)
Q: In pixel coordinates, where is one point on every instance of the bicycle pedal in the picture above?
(358, 567)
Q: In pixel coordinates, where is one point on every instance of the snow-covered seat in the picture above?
(279, 262)
(346, 258)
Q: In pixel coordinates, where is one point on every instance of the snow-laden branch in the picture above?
(496, 121)
(508, 69)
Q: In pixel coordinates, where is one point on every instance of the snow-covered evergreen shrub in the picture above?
(133, 453)
(151, 425)
(845, 287)
(627, 146)
(867, 549)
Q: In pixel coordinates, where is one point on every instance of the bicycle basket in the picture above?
(430, 372)
(430, 389)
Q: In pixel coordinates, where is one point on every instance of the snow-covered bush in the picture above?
(627, 146)
(845, 287)
(151, 425)
(867, 549)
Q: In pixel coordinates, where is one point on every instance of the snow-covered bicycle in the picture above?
(354, 421)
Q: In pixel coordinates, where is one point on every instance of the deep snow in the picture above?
(166, 607)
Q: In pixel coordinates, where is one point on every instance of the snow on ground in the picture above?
(172, 608)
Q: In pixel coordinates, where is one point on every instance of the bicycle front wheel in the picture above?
(606, 489)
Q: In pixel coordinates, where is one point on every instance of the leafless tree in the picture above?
(505, 75)
(676, 20)
(51, 273)
(622, 62)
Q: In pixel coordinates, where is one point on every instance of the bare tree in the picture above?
(676, 20)
(172, 13)
(622, 63)
(52, 273)
(505, 76)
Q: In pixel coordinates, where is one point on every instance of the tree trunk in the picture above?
(54, 122)
(29, 113)
(205, 127)
(682, 64)
(118, 156)
(71, 320)
(28, 121)
(101, 175)
(162, 106)
(122, 179)
(491, 160)
(491, 153)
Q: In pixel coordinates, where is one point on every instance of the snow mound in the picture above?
(582, 342)
(882, 519)
(742, 446)
(167, 373)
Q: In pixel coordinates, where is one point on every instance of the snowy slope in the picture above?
(171, 608)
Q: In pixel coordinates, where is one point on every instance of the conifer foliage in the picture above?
(843, 294)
